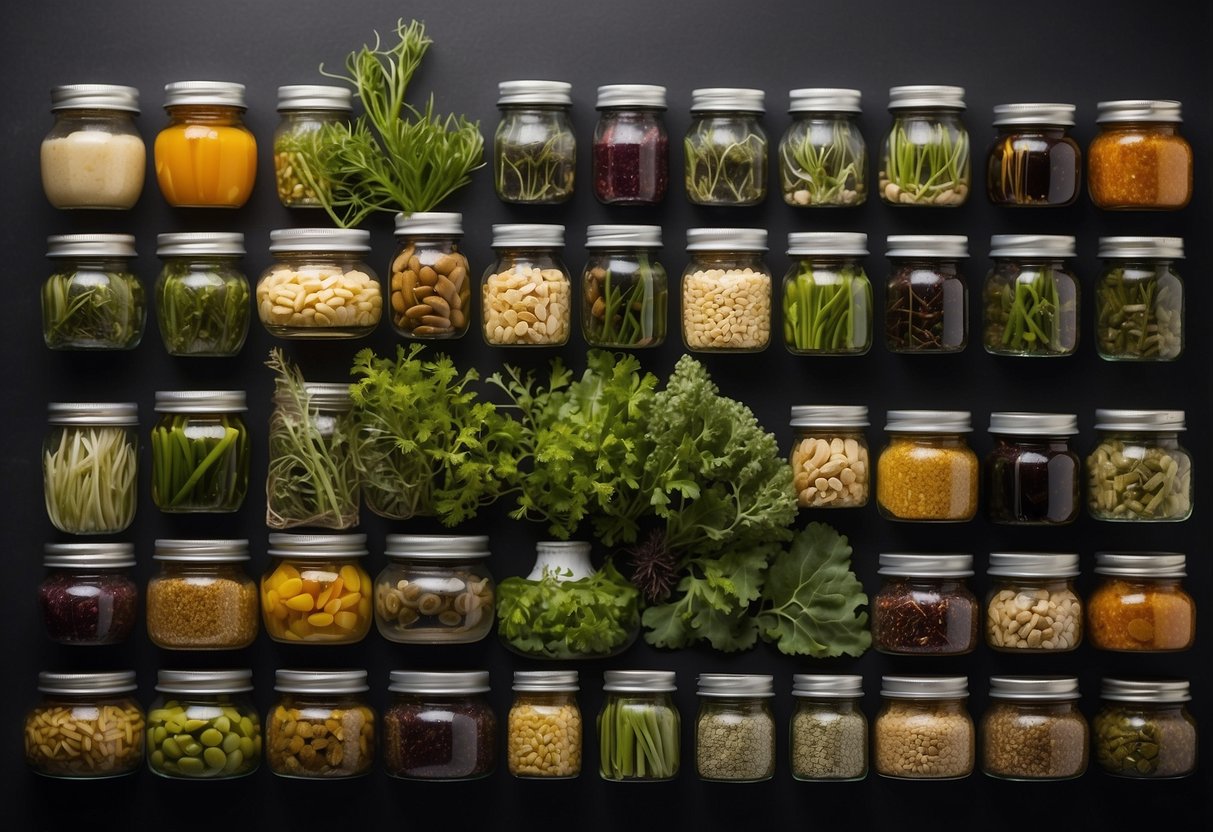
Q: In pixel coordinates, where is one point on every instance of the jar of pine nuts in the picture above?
(305, 110)
(830, 465)
(927, 472)
(321, 726)
(544, 728)
(1032, 606)
(436, 589)
(924, 712)
(726, 291)
(431, 290)
(527, 293)
(88, 726)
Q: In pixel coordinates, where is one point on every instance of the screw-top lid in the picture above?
(829, 416)
(541, 681)
(427, 223)
(527, 235)
(319, 239)
(1161, 248)
(92, 413)
(1034, 688)
(1137, 110)
(639, 681)
(1141, 564)
(94, 97)
(317, 545)
(924, 687)
(726, 239)
(928, 421)
(320, 681)
(623, 236)
(314, 97)
(949, 246)
(1142, 420)
(823, 686)
(1034, 424)
(917, 96)
(915, 565)
(201, 401)
(824, 100)
(1145, 690)
(181, 244)
(732, 685)
(650, 96)
(88, 555)
(712, 99)
(1033, 564)
(328, 396)
(90, 245)
(836, 243)
(439, 683)
(1032, 245)
(436, 546)
(214, 93)
(201, 551)
(535, 92)
(74, 684)
(204, 681)
(1045, 115)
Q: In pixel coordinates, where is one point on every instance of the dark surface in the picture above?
(1073, 52)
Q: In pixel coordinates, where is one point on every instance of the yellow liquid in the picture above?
(206, 166)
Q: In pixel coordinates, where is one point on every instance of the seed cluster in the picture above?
(828, 744)
(1033, 743)
(1034, 619)
(734, 746)
(830, 471)
(926, 740)
(317, 741)
(200, 612)
(915, 481)
(93, 740)
(318, 297)
(726, 309)
(1134, 481)
(1134, 743)
(527, 306)
(431, 294)
(544, 740)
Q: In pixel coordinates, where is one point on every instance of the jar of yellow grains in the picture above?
(544, 732)
(927, 472)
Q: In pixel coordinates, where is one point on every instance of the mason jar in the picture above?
(90, 466)
(639, 728)
(735, 728)
(1033, 473)
(202, 597)
(435, 589)
(87, 726)
(827, 297)
(431, 289)
(543, 731)
(830, 463)
(927, 471)
(93, 155)
(1139, 160)
(726, 291)
(1031, 296)
(203, 725)
(823, 159)
(200, 451)
(315, 590)
(205, 156)
(1032, 606)
(927, 299)
(321, 726)
(1034, 162)
(1139, 299)
(1144, 729)
(534, 148)
(439, 726)
(202, 295)
(925, 158)
(918, 711)
(1139, 604)
(88, 596)
(829, 731)
(725, 147)
(924, 606)
(1138, 471)
(527, 292)
(631, 148)
(92, 299)
(304, 111)
(1033, 729)
(624, 288)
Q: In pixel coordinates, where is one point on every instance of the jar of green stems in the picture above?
(925, 162)
(200, 451)
(534, 148)
(90, 466)
(823, 159)
(92, 300)
(202, 297)
(1031, 296)
(1139, 300)
(638, 727)
(726, 147)
(625, 289)
(827, 297)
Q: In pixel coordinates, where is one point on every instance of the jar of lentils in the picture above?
(830, 463)
(1139, 472)
(305, 110)
(321, 726)
(1031, 296)
(1032, 473)
(527, 292)
(1032, 605)
(735, 729)
(827, 297)
(927, 471)
(924, 712)
(1144, 729)
(439, 726)
(726, 291)
(1139, 299)
(88, 596)
(924, 607)
(1033, 729)
(543, 735)
(829, 730)
(927, 299)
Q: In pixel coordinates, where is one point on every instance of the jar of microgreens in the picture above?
(927, 299)
(88, 726)
(624, 289)
(1034, 162)
(527, 292)
(726, 148)
(830, 463)
(1144, 729)
(205, 156)
(431, 289)
(1139, 299)
(726, 291)
(823, 159)
(305, 110)
(534, 148)
(203, 725)
(631, 148)
(638, 727)
(827, 297)
(90, 466)
(202, 296)
(1139, 471)
(92, 299)
(200, 451)
(735, 728)
(1139, 160)
(316, 590)
(435, 589)
(93, 156)
(1031, 296)
(925, 161)
(829, 729)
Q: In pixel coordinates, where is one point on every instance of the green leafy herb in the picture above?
(823, 163)
(90, 309)
(202, 310)
(725, 165)
(932, 168)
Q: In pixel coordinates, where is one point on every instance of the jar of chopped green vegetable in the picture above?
(827, 297)
(927, 302)
(1139, 300)
(92, 300)
(305, 110)
(638, 726)
(200, 451)
(1144, 729)
(202, 297)
(624, 288)
(1031, 296)
(1139, 471)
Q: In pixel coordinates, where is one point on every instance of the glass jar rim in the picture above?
(204, 681)
(824, 100)
(439, 683)
(91, 245)
(1015, 246)
(929, 421)
(639, 681)
(1160, 691)
(926, 97)
(1147, 248)
(1014, 423)
(1141, 564)
(545, 681)
(186, 243)
(527, 235)
(944, 246)
(1145, 421)
(827, 686)
(736, 685)
(647, 96)
(95, 97)
(83, 556)
(828, 243)
(201, 401)
(320, 240)
(429, 223)
(204, 93)
(1034, 114)
(436, 546)
(125, 414)
(924, 565)
(1034, 688)
(728, 99)
(81, 684)
(201, 551)
(317, 545)
(924, 687)
(829, 416)
(623, 236)
(293, 97)
(1138, 110)
(1033, 565)
(726, 239)
(555, 93)
(320, 681)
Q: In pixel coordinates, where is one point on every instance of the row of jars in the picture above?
(441, 727)
(94, 157)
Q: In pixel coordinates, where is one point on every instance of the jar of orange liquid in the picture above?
(205, 157)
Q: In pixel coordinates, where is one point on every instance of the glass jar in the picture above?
(1034, 162)
(534, 148)
(624, 289)
(1033, 472)
(925, 159)
(631, 148)
(827, 297)
(439, 726)
(735, 729)
(319, 286)
(1140, 605)
(924, 607)
(1139, 160)
(435, 589)
(90, 466)
(316, 590)
(202, 598)
(726, 291)
(1139, 472)
(1033, 729)
(566, 609)
(1031, 296)
(927, 471)
(527, 292)
(92, 299)
(726, 148)
(93, 156)
(823, 160)
(205, 156)
(927, 302)
(1139, 299)
(304, 111)
(639, 728)
(321, 726)
(1144, 729)
(1032, 606)
(203, 725)
(202, 297)
(829, 730)
(431, 289)
(830, 465)
(88, 596)
(922, 711)
(543, 734)
(200, 451)
(87, 726)
(311, 480)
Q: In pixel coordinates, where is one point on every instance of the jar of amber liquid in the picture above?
(1140, 605)
(205, 157)
(1034, 163)
(1139, 160)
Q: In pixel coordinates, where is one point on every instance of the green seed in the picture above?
(192, 749)
(247, 746)
(231, 743)
(222, 724)
(215, 758)
(234, 761)
(157, 759)
(191, 766)
(171, 748)
(211, 738)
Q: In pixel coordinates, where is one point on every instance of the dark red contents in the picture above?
(920, 618)
(92, 609)
(1033, 482)
(455, 739)
(630, 161)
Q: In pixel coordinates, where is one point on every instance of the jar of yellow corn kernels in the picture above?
(316, 590)
(927, 472)
(544, 731)
(726, 291)
(321, 726)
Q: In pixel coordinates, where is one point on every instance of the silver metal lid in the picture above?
(328, 396)
(1141, 564)
(201, 401)
(726, 239)
(320, 681)
(824, 100)
(540, 681)
(1160, 248)
(623, 236)
(527, 235)
(928, 421)
(213, 93)
(822, 686)
(427, 223)
(558, 93)
(836, 243)
(437, 546)
(315, 97)
(1162, 691)
(916, 565)
(829, 416)
(1053, 246)
(94, 97)
(1034, 424)
(1108, 112)
(439, 683)
(88, 555)
(182, 244)
(1033, 564)
(201, 551)
(916, 96)
(72, 684)
(924, 687)
(1046, 115)
(949, 246)
(1034, 688)
(90, 245)
(1139, 420)
(713, 99)
(92, 413)
(639, 681)
(317, 545)
(650, 96)
(319, 239)
(204, 681)
(733, 685)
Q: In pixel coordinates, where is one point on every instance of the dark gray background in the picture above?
(1075, 52)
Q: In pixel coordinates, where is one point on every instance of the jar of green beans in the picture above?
(200, 451)
(90, 466)
(92, 299)
(726, 147)
(624, 291)
(823, 159)
(925, 162)
(638, 726)
(927, 301)
(827, 297)
(305, 110)
(1139, 472)
(202, 297)
(1031, 296)
(534, 148)
(1139, 300)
